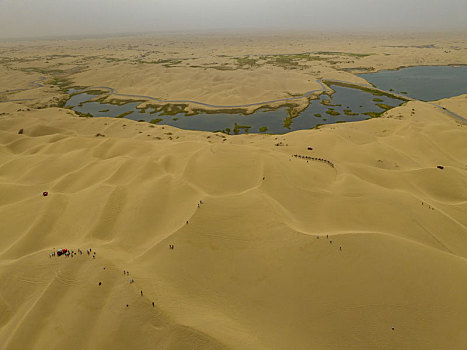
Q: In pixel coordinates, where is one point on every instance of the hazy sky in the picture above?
(34, 18)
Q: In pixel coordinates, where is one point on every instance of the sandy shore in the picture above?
(273, 248)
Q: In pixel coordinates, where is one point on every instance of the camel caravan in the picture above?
(314, 158)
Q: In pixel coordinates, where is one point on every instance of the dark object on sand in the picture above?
(171, 246)
(45, 194)
(62, 251)
(152, 304)
(310, 148)
(440, 167)
(20, 131)
(100, 283)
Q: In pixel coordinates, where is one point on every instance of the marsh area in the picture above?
(345, 105)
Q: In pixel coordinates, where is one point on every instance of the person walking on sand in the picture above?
(152, 304)
(141, 292)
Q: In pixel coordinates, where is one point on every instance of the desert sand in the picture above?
(270, 251)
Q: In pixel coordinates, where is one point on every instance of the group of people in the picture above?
(199, 206)
(330, 241)
(127, 273)
(70, 252)
(314, 158)
(429, 206)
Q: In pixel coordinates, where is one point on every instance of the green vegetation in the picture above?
(223, 66)
(326, 102)
(331, 111)
(173, 109)
(292, 113)
(84, 115)
(404, 92)
(119, 102)
(288, 61)
(92, 92)
(61, 102)
(374, 114)
(124, 114)
(114, 59)
(169, 109)
(376, 99)
(317, 115)
(217, 111)
(104, 111)
(263, 129)
(156, 121)
(384, 106)
(338, 53)
(166, 63)
(63, 83)
(44, 71)
(175, 119)
(225, 131)
(294, 95)
(246, 62)
(291, 61)
(356, 69)
(349, 112)
(370, 90)
(237, 128)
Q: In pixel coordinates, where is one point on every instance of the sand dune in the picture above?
(282, 253)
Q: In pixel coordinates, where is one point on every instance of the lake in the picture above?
(426, 83)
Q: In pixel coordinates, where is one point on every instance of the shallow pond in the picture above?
(426, 83)
(345, 105)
